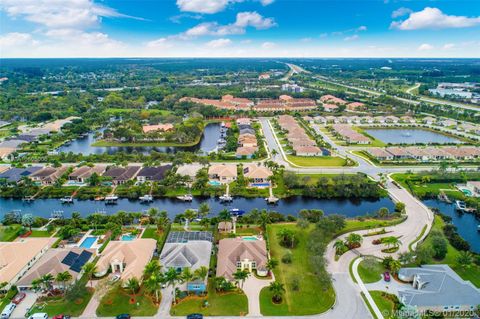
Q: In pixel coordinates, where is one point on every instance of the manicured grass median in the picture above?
(311, 297)
(219, 304)
(317, 161)
(370, 274)
(117, 301)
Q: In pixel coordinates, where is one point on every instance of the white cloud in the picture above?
(400, 12)
(161, 43)
(266, 2)
(351, 38)
(448, 46)
(433, 18)
(361, 28)
(305, 40)
(425, 47)
(219, 43)
(268, 45)
(16, 39)
(203, 6)
(242, 22)
(59, 13)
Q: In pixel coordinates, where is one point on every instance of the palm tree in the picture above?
(46, 281)
(277, 289)
(271, 264)
(339, 246)
(153, 267)
(63, 277)
(286, 236)
(189, 215)
(395, 266)
(354, 240)
(153, 212)
(154, 284)
(89, 269)
(241, 276)
(172, 277)
(392, 241)
(465, 259)
(187, 275)
(201, 273)
(264, 219)
(132, 285)
(36, 284)
(203, 210)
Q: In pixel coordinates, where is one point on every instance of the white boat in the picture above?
(460, 205)
(185, 198)
(66, 200)
(111, 199)
(226, 198)
(478, 228)
(146, 198)
(28, 199)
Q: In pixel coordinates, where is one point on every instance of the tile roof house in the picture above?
(187, 253)
(154, 173)
(307, 151)
(121, 175)
(257, 173)
(17, 257)
(14, 174)
(189, 170)
(126, 258)
(239, 254)
(157, 128)
(224, 173)
(330, 107)
(245, 151)
(380, 154)
(332, 99)
(83, 173)
(48, 175)
(355, 105)
(6, 151)
(437, 288)
(55, 261)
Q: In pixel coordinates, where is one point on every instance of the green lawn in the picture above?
(374, 141)
(9, 233)
(40, 233)
(224, 304)
(61, 306)
(317, 161)
(384, 302)
(117, 301)
(370, 275)
(311, 297)
(353, 224)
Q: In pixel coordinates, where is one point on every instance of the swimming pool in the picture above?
(88, 242)
(467, 192)
(260, 184)
(249, 238)
(214, 183)
(128, 237)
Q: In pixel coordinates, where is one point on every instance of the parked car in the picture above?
(7, 311)
(123, 316)
(19, 297)
(40, 315)
(195, 316)
(61, 317)
(386, 276)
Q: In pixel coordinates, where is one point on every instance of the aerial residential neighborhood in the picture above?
(239, 159)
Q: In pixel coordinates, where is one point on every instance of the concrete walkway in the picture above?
(252, 288)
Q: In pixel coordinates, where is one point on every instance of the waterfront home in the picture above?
(332, 99)
(127, 259)
(330, 107)
(429, 120)
(398, 152)
(5, 152)
(224, 173)
(17, 257)
(258, 174)
(189, 170)
(188, 250)
(448, 123)
(367, 120)
(56, 261)
(380, 154)
(307, 151)
(437, 288)
(225, 227)
(121, 175)
(244, 121)
(391, 119)
(437, 154)
(245, 152)
(247, 140)
(347, 133)
(475, 185)
(157, 128)
(83, 173)
(418, 153)
(407, 119)
(153, 173)
(240, 254)
(246, 130)
(15, 175)
(459, 153)
(380, 119)
(48, 175)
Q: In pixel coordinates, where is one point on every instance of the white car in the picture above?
(7, 311)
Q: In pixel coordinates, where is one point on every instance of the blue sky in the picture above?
(243, 28)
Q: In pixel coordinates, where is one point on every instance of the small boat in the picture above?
(146, 198)
(185, 198)
(271, 200)
(478, 228)
(99, 198)
(236, 212)
(460, 205)
(111, 199)
(226, 198)
(67, 200)
(28, 199)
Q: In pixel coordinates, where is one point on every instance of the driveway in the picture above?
(252, 288)
(25, 305)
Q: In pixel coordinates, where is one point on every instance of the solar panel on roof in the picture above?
(81, 260)
(70, 258)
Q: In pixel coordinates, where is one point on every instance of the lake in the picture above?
(410, 136)
(208, 143)
(465, 223)
(292, 205)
